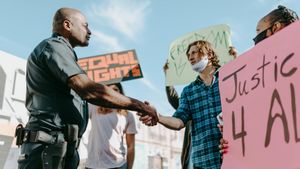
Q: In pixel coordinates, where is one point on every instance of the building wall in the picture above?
(12, 107)
(158, 141)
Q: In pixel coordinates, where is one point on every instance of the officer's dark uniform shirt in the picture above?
(49, 100)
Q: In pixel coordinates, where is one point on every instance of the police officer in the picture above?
(57, 89)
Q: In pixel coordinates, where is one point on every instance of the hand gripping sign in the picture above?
(261, 104)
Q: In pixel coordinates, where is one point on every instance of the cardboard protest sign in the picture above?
(261, 104)
(113, 67)
(180, 71)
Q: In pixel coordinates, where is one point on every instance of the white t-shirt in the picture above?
(106, 144)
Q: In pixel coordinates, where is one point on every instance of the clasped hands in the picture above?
(151, 117)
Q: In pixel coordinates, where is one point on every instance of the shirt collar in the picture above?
(216, 75)
(57, 35)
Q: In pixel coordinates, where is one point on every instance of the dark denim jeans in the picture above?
(45, 156)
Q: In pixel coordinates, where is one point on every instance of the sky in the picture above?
(148, 26)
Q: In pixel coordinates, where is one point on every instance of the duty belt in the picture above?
(41, 136)
(31, 136)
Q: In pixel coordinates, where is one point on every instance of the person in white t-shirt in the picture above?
(112, 137)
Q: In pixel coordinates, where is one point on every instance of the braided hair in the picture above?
(284, 15)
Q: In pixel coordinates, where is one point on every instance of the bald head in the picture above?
(61, 15)
(72, 25)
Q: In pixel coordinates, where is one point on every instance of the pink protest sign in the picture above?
(261, 104)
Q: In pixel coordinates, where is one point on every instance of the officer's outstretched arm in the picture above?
(102, 95)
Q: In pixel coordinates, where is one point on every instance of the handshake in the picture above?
(149, 116)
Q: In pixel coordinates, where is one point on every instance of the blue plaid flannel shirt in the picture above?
(202, 104)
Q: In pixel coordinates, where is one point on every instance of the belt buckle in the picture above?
(33, 136)
(45, 137)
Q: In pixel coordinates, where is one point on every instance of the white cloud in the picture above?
(150, 85)
(162, 106)
(125, 16)
(110, 43)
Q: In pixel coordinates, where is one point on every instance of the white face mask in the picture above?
(201, 65)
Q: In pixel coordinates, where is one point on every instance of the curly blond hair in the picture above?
(206, 48)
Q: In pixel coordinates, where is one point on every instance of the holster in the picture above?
(53, 156)
(71, 136)
(26, 135)
(71, 132)
(19, 134)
